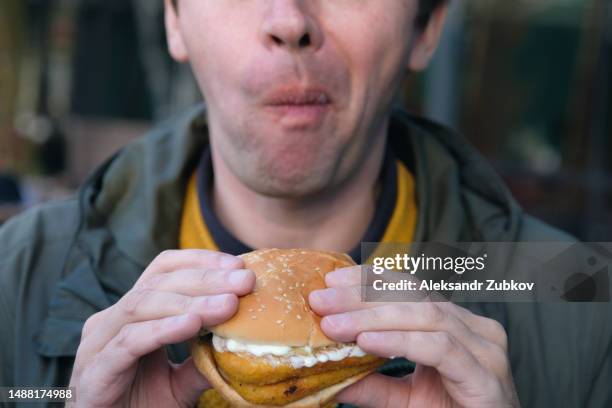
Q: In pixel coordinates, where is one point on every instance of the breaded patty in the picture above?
(247, 368)
(293, 389)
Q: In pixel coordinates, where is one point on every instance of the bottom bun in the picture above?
(202, 354)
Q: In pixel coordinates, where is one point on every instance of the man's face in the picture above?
(298, 91)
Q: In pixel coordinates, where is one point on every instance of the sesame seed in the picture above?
(299, 317)
(253, 317)
(279, 321)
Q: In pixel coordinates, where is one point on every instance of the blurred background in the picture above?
(529, 82)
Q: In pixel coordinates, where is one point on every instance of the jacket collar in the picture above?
(460, 196)
(142, 194)
(130, 211)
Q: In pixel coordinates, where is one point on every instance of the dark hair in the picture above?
(426, 8)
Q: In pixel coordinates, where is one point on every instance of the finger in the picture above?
(142, 306)
(186, 282)
(348, 276)
(439, 350)
(416, 317)
(348, 298)
(172, 260)
(424, 316)
(351, 297)
(198, 282)
(187, 383)
(376, 390)
(338, 300)
(134, 341)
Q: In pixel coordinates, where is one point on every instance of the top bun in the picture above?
(277, 311)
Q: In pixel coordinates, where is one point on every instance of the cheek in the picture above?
(375, 40)
(215, 50)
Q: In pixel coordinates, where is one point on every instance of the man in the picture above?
(299, 147)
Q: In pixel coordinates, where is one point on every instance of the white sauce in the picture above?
(298, 357)
(258, 350)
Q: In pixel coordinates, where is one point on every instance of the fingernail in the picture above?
(217, 301)
(336, 321)
(371, 337)
(322, 295)
(337, 277)
(238, 277)
(336, 273)
(228, 262)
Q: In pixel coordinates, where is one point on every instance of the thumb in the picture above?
(376, 390)
(188, 383)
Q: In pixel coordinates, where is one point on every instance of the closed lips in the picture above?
(298, 97)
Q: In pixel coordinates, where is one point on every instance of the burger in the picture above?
(272, 352)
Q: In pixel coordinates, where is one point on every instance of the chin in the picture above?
(292, 185)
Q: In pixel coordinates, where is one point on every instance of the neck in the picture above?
(335, 220)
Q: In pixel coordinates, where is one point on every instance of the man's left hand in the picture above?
(461, 358)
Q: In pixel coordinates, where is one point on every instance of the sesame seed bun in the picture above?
(277, 311)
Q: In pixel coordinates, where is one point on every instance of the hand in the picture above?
(121, 360)
(461, 358)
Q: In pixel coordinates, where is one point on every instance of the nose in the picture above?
(291, 25)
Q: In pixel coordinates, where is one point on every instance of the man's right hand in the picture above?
(121, 360)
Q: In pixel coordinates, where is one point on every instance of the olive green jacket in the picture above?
(63, 261)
